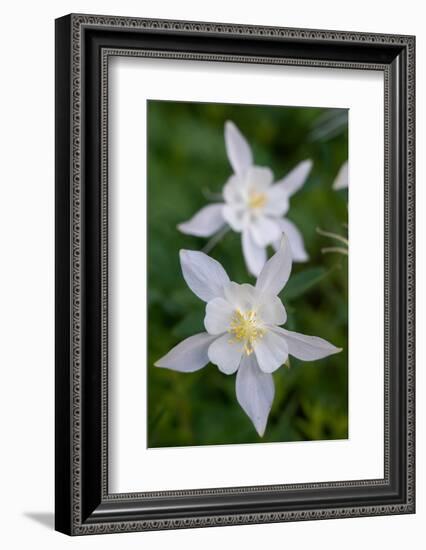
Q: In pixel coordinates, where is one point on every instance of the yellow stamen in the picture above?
(257, 200)
(245, 327)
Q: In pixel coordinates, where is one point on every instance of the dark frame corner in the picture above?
(83, 46)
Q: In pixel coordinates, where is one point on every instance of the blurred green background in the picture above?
(187, 165)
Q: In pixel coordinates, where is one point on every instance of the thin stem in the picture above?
(215, 239)
(338, 249)
(209, 195)
(333, 236)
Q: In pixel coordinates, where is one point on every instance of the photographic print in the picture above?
(247, 273)
(203, 306)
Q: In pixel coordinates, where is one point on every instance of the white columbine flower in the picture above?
(342, 178)
(243, 333)
(253, 205)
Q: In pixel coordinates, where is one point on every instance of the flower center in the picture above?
(256, 200)
(246, 327)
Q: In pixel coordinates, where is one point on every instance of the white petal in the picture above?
(307, 348)
(235, 216)
(295, 239)
(243, 297)
(294, 180)
(259, 178)
(271, 351)
(188, 356)
(234, 189)
(204, 275)
(271, 310)
(237, 149)
(226, 354)
(255, 392)
(254, 255)
(276, 271)
(277, 203)
(218, 316)
(264, 230)
(342, 178)
(205, 222)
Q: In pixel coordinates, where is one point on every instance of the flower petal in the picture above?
(254, 255)
(264, 230)
(342, 178)
(204, 275)
(218, 316)
(294, 180)
(189, 355)
(226, 354)
(255, 392)
(234, 189)
(307, 348)
(277, 203)
(205, 222)
(259, 178)
(241, 297)
(235, 215)
(295, 239)
(271, 351)
(271, 310)
(237, 149)
(276, 271)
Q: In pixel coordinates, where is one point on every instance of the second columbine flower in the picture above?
(253, 205)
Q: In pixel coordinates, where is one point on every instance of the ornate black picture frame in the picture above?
(84, 44)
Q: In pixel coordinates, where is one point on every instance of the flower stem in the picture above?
(338, 249)
(333, 236)
(210, 195)
(215, 239)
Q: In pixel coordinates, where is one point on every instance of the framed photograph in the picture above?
(234, 274)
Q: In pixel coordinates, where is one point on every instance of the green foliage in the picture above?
(186, 163)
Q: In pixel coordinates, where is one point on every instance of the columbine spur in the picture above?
(253, 205)
(243, 333)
